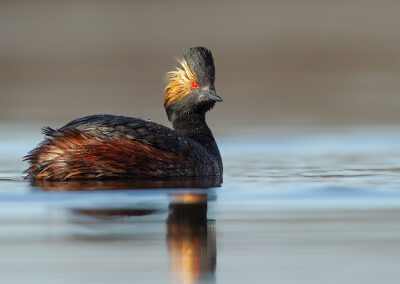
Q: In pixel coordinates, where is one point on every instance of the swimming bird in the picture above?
(110, 146)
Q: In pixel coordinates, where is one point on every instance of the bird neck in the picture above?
(194, 126)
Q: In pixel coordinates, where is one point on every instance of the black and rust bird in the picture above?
(109, 146)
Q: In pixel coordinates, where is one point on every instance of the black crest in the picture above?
(201, 62)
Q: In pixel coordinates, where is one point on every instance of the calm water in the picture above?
(295, 206)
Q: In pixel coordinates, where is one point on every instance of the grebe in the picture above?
(109, 146)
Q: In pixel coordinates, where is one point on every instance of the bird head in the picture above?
(190, 88)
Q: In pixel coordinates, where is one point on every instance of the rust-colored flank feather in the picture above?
(76, 155)
(179, 83)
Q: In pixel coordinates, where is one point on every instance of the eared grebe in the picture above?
(109, 146)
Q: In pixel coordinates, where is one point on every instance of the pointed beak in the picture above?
(212, 94)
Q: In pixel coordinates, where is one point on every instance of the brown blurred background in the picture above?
(289, 63)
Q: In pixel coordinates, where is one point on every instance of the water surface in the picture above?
(294, 206)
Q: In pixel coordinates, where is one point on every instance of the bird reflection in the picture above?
(191, 240)
(190, 236)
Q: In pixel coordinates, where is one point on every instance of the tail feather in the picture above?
(48, 131)
(47, 158)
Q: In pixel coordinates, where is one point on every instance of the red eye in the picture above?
(195, 85)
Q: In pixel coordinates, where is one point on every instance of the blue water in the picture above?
(351, 164)
(322, 204)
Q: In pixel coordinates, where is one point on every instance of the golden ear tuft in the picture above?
(179, 83)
